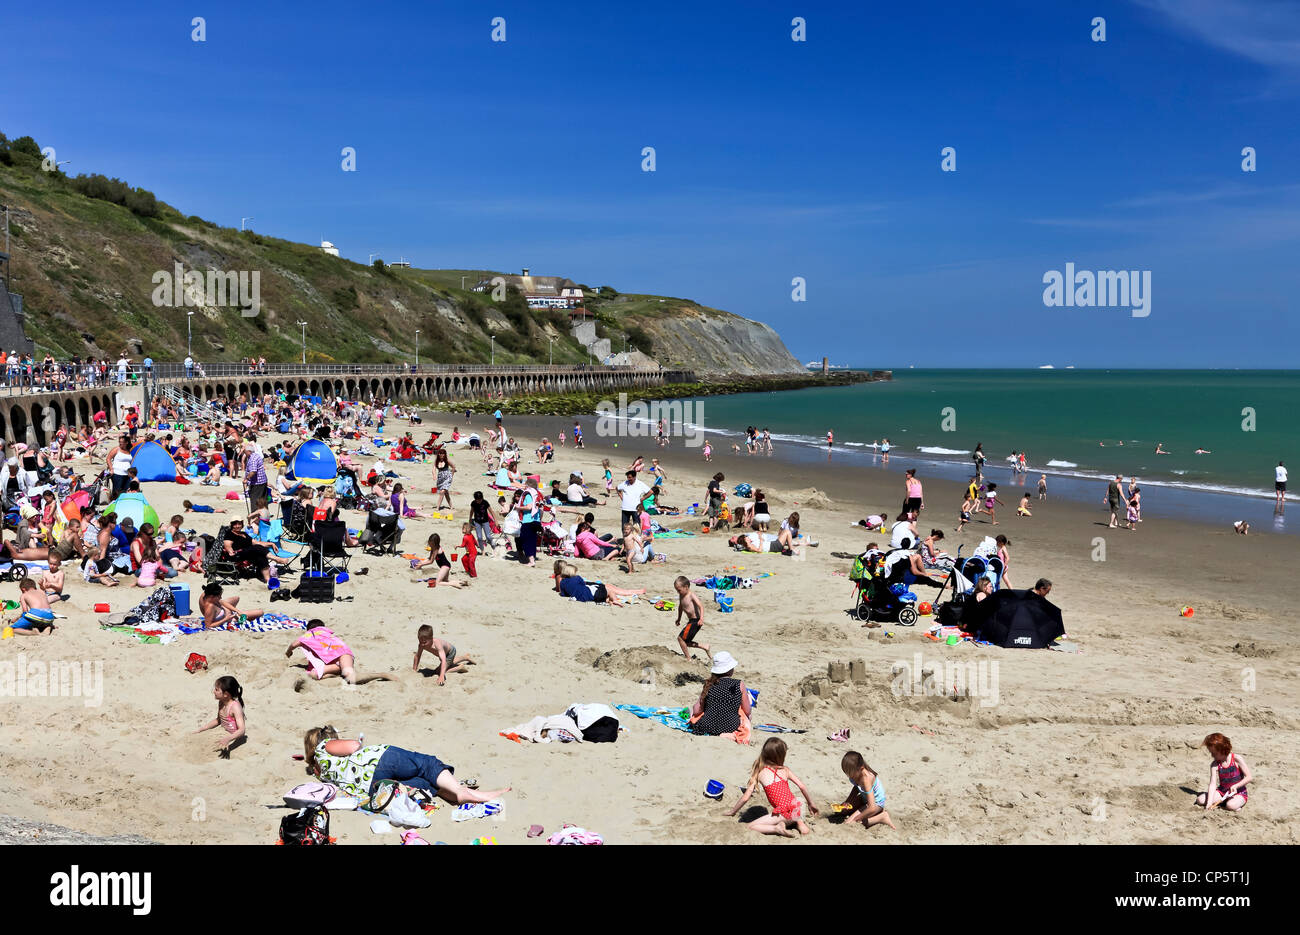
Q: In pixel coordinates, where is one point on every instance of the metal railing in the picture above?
(225, 370)
(39, 383)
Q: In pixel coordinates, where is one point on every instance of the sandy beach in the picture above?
(1095, 747)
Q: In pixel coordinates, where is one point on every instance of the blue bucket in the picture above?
(714, 789)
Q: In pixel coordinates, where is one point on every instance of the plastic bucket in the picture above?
(714, 789)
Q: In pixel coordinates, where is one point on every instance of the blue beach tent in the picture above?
(313, 463)
(152, 463)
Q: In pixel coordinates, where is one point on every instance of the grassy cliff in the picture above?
(86, 251)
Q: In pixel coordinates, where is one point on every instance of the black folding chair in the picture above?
(329, 555)
(381, 534)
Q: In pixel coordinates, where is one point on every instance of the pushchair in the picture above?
(347, 488)
(884, 593)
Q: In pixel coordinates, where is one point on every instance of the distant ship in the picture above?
(1046, 367)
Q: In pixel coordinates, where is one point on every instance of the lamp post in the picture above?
(417, 348)
(242, 220)
(189, 333)
(551, 341)
(494, 350)
(304, 341)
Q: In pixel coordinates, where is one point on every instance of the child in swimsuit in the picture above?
(771, 772)
(36, 617)
(866, 801)
(230, 713)
(1229, 775)
(689, 605)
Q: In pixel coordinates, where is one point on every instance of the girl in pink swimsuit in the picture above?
(787, 811)
(230, 713)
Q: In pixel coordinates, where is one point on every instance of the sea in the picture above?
(1079, 427)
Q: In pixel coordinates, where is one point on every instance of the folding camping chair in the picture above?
(329, 555)
(218, 567)
(300, 522)
(273, 533)
(381, 535)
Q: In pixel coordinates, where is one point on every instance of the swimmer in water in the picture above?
(1160, 450)
(1203, 451)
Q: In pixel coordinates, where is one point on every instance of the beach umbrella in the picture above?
(1015, 620)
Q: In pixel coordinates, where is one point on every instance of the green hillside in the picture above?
(86, 250)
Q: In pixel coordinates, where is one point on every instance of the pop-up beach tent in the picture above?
(152, 463)
(313, 463)
(136, 507)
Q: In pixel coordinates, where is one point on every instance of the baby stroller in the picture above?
(884, 593)
(347, 488)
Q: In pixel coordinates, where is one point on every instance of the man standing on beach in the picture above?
(633, 492)
(1279, 484)
(1114, 497)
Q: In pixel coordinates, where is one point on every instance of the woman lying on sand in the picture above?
(359, 769)
(568, 583)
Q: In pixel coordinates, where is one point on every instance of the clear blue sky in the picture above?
(775, 159)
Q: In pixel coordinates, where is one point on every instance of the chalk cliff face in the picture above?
(714, 342)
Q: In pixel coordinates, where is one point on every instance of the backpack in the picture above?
(306, 826)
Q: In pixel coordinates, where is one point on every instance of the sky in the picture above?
(773, 158)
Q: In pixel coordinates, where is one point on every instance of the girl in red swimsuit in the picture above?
(787, 811)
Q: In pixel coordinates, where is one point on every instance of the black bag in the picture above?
(950, 614)
(315, 589)
(306, 826)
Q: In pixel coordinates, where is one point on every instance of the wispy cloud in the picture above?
(1216, 193)
(1266, 32)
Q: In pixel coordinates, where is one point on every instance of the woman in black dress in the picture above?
(722, 699)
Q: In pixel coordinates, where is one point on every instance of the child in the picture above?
(230, 713)
(770, 770)
(967, 504)
(1229, 775)
(1134, 508)
(990, 499)
(577, 436)
(52, 580)
(1023, 509)
(561, 438)
(200, 508)
(609, 478)
(448, 661)
(689, 605)
(1042, 486)
(867, 797)
(707, 451)
(439, 562)
(470, 548)
(36, 616)
(147, 576)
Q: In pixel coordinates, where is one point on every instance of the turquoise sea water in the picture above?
(1248, 420)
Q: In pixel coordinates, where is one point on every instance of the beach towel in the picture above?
(575, 835)
(676, 718)
(551, 724)
(673, 534)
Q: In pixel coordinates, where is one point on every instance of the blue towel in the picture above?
(676, 718)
